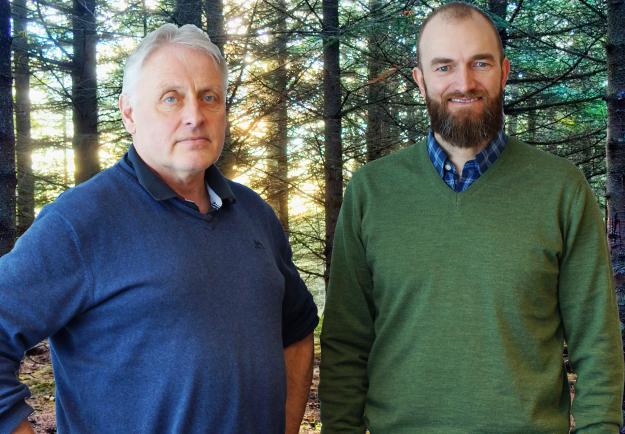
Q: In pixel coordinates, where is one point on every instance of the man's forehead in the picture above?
(445, 34)
(166, 54)
(448, 18)
(171, 63)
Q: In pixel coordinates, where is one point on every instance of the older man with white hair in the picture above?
(168, 293)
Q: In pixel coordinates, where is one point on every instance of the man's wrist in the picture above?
(24, 428)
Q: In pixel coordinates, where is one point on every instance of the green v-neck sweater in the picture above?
(446, 312)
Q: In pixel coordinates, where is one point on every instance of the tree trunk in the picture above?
(23, 143)
(278, 192)
(375, 92)
(188, 12)
(144, 18)
(615, 152)
(215, 23)
(7, 140)
(84, 91)
(217, 31)
(333, 155)
(499, 8)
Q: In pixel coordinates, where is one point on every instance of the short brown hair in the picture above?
(458, 11)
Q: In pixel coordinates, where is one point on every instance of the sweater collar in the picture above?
(159, 190)
(485, 158)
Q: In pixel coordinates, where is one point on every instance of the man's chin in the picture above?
(466, 112)
(466, 135)
(198, 166)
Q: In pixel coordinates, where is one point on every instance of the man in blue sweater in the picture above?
(167, 292)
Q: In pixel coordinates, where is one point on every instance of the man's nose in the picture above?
(192, 113)
(465, 79)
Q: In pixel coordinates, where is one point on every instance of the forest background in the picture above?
(317, 89)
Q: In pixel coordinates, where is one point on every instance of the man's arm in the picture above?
(347, 333)
(589, 317)
(43, 284)
(24, 428)
(298, 360)
(299, 319)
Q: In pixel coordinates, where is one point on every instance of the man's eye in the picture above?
(481, 65)
(210, 98)
(170, 99)
(444, 68)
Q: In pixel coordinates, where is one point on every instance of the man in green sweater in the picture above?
(462, 264)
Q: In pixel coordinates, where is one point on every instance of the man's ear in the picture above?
(125, 108)
(417, 76)
(505, 70)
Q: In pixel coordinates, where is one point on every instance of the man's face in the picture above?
(177, 114)
(462, 78)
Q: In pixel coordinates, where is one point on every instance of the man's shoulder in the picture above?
(249, 199)
(104, 190)
(542, 162)
(245, 194)
(391, 166)
(260, 215)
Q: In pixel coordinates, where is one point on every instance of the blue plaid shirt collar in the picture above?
(472, 169)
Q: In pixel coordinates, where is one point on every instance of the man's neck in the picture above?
(459, 156)
(192, 188)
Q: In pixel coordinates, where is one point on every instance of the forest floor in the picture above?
(36, 373)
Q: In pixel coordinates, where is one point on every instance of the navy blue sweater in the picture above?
(161, 319)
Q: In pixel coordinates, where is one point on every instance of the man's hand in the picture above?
(24, 428)
(298, 359)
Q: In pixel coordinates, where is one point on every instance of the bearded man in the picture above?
(461, 266)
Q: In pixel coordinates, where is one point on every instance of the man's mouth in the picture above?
(465, 100)
(193, 139)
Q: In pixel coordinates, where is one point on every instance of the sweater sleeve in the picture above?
(299, 312)
(590, 318)
(42, 286)
(347, 333)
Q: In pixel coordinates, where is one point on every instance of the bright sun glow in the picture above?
(58, 160)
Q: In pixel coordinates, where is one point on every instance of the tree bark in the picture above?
(615, 152)
(7, 139)
(215, 23)
(84, 91)
(188, 12)
(278, 173)
(333, 156)
(375, 92)
(23, 142)
(216, 30)
(499, 8)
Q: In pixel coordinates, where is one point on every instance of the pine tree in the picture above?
(333, 151)
(84, 90)
(8, 179)
(616, 148)
(23, 142)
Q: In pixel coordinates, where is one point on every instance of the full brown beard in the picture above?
(466, 130)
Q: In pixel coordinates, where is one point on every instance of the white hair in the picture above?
(188, 35)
